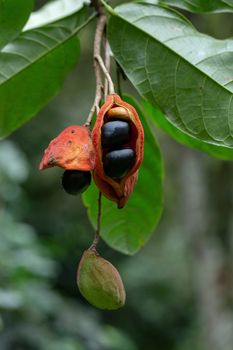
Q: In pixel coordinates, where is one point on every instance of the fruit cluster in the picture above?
(113, 152)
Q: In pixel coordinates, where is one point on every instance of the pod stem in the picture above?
(97, 232)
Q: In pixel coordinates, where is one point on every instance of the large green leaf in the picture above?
(188, 75)
(158, 118)
(13, 16)
(33, 67)
(128, 229)
(54, 11)
(198, 6)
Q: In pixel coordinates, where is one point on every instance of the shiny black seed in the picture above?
(76, 181)
(118, 163)
(115, 133)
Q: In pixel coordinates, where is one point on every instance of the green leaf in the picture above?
(128, 229)
(33, 67)
(54, 11)
(158, 118)
(197, 6)
(188, 75)
(13, 16)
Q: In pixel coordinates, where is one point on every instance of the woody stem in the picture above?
(97, 233)
(107, 62)
(106, 73)
(118, 77)
(100, 26)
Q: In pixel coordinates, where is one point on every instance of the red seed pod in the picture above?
(72, 149)
(117, 190)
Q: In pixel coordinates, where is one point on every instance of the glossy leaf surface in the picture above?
(198, 6)
(54, 11)
(33, 67)
(158, 118)
(13, 16)
(188, 75)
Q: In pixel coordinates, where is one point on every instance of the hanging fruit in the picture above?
(99, 282)
(112, 153)
(73, 151)
(118, 139)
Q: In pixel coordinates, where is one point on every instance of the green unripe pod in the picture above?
(99, 282)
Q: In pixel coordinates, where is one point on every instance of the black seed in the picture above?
(76, 181)
(118, 163)
(115, 133)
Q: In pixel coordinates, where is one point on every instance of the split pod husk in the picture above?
(72, 149)
(120, 189)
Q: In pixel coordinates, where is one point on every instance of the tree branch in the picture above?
(106, 73)
(100, 26)
(107, 62)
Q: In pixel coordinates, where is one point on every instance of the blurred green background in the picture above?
(179, 287)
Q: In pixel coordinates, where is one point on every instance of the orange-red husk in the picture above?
(72, 149)
(117, 190)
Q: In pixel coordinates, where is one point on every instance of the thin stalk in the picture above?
(97, 233)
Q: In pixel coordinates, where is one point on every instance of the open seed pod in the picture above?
(99, 282)
(119, 189)
(72, 149)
